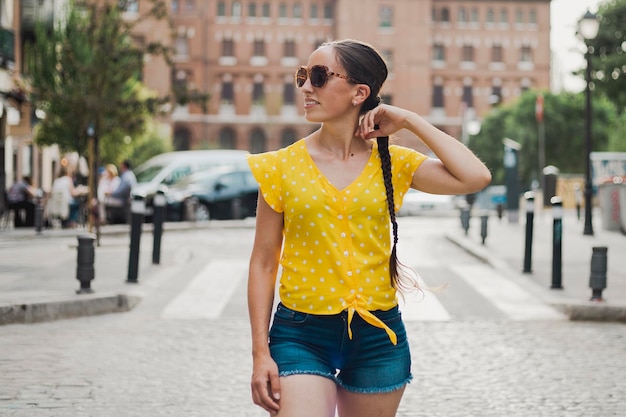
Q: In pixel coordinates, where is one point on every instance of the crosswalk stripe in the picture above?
(517, 303)
(422, 305)
(208, 293)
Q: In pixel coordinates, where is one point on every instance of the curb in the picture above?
(574, 311)
(56, 309)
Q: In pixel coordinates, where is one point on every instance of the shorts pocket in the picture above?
(284, 315)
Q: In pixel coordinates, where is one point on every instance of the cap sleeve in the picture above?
(404, 163)
(265, 169)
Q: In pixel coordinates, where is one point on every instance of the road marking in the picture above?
(208, 293)
(422, 305)
(517, 303)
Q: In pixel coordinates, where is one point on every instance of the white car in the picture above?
(417, 202)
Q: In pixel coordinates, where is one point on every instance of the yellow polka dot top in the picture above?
(337, 243)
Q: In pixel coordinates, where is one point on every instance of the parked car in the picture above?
(417, 202)
(217, 194)
(167, 169)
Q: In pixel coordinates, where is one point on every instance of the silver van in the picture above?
(168, 168)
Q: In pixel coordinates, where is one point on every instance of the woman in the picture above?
(337, 340)
(63, 202)
(109, 181)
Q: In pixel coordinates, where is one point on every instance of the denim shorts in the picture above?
(302, 343)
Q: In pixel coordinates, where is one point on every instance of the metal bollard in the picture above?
(483, 227)
(597, 278)
(86, 255)
(465, 218)
(500, 210)
(557, 242)
(137, 213)
(157, 219)
(39, 215)
(529, 196)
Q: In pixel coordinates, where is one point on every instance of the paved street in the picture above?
(481, 346)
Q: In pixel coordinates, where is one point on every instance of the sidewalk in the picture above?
(505, 250)
(28, 260)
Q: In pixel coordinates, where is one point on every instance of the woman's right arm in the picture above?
(261, 282)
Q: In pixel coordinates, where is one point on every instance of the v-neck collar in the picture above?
(364, 172)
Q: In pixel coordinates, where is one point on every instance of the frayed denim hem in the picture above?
(375, 390)
(306, 372)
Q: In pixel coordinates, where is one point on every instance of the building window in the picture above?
(266, 10)
(235, 9)
(439, 52)
(386, 99)
(474, 17)
(504, 16)
(228, 138)
(519, 17)
(468, 96)
(526, 54)
(438, 96)
(532, 17)
(461, 17)
(189, 5)
(490, 17)
(496, 95)
(182, 46)
(228, 47)
(252, 9)
(496, 53)
(467, 53)
(297, 11)
(445, 15)
(259, 47)
(289, 94)
(434, 14)
(175, 6)
(385, 17)
(228, 92)
(282, 11)
(221, 9)
(313, 12)
(387, 55)
(289, 48)
(288, 137)
(257, 141)
(258, 94)
(328, 11)
(131, 6)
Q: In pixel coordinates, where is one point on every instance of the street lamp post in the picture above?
(588, 28)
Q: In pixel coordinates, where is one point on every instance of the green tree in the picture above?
(609, 55)
(564, 127)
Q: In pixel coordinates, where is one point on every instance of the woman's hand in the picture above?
(265, 383)
(383, 120)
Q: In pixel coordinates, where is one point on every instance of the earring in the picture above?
(354, 103)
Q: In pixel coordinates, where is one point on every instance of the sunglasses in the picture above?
(318, 74)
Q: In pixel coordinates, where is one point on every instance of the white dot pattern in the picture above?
(337, 242)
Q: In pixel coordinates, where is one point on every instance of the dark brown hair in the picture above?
(363, 63)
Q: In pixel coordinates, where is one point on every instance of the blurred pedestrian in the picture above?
(326, 206)
(109, 181)
(118, 201)
(20, 200)
(63, 203)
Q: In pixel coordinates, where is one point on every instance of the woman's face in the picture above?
(333, 101)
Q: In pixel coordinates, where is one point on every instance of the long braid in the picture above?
(385, 161)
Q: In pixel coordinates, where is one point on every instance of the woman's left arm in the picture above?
(456, 170)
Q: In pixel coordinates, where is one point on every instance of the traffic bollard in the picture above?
(529, 196)
(557, 242)
(39, 215)
(500, 210)
(465, 218)
(597, 278)
(483, 227)
(157, 219)
(86, 256)
(137, 213)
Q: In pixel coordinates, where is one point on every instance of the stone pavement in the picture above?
(505, 250)
(28, 260)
